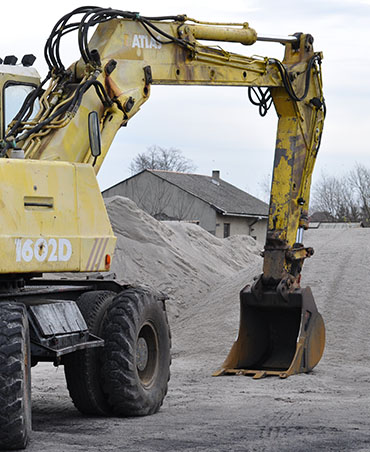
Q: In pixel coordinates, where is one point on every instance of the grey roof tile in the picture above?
(220, 194)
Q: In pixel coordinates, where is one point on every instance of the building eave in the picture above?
(249, 215)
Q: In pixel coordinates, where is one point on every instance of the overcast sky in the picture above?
(216, 127)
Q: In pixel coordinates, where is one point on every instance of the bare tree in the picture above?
(359, 179)
(323, 198)
(161, 200)
(335, 196)
(161, 159)
(264, 188)
(338, 196)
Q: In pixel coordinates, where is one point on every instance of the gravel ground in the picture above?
(326, 410)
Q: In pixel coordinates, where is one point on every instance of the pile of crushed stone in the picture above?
(180, 259)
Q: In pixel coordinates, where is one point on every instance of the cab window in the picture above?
(14, 96)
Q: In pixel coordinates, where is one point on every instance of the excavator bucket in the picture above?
(279, 334)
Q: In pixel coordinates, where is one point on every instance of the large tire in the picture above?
(83, 368)
(136, 362)
(15, 377)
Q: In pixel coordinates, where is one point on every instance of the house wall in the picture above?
(164, 200)
(242, 225)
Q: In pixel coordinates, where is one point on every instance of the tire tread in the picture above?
(15, 419)
(119, 372)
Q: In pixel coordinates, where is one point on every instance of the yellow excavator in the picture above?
(114, 340)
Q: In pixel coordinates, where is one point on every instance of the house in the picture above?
(321, 217)
(209, 201)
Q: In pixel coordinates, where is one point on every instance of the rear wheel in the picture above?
(83, 368)
(129, 376)
(15, 377)
(137, 358)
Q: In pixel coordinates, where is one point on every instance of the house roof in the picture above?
(224, 197)
(321, 217)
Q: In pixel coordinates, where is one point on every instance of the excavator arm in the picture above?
(127, 54)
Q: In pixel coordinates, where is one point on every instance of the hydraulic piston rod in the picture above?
(281, 39)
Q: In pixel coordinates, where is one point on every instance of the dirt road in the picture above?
(327, 410)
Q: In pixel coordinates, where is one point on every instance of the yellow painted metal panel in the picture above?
(52, 216)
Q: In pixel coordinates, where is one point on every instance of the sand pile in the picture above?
(182, 260)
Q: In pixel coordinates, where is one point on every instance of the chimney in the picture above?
(216, 174)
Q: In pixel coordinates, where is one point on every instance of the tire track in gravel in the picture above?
(276, 425)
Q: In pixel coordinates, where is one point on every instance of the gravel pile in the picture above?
(200, 273)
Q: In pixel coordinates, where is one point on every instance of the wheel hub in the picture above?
(147, 354)
(142, 354)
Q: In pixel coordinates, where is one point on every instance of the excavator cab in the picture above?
(16, 83)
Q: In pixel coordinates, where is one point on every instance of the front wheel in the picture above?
(15, 377)
(137, 357)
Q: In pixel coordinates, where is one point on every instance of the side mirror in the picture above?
(94, 135)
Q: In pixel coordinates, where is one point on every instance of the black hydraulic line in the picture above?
(103, 95)
(82, 36)
(61, 24)
(63, 109)
(72, 106)
(178, 18)
(286, 80)
(93, 16)
(171, 39)
(54, 47)
(29, 110)
(26, 108)
(98, 15)
(104, 15)
(27, 104)
(264, 99)
(145, 25)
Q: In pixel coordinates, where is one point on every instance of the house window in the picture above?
(226, 230)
